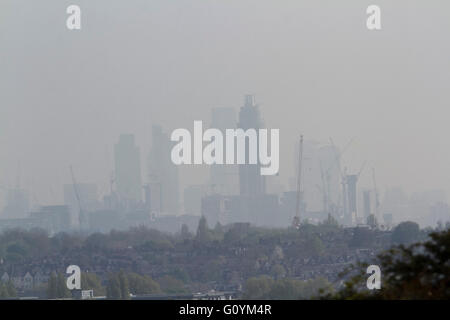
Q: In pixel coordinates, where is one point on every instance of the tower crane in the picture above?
(337, 161)
(77, 196)
(377, 199)
(296, 221)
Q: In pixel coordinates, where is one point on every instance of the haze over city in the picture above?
(65, 98)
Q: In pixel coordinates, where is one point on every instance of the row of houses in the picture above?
(25, 281)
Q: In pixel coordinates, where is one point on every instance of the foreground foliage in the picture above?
(417, 271)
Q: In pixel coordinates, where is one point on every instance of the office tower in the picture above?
(224, 178)
(17, 204)
(251, 182)
(163, 174)
(128, 169)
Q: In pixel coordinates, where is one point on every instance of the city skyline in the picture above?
(159, 191)
(87, 87)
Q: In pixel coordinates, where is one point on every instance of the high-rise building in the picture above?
(366, 204)
(224, 177)
(163, 174)
(128, 169)
(17, 204)
(251, 182)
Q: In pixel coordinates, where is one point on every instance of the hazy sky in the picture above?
(65, 96)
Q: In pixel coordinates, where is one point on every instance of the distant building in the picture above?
(54, 219)
(321, 176)
(153, 197)
(439, 213)
(104, 220)
(213, 208)
(17, 204)
(163, 174)
(5, 277)
(128, 169)
(366, 204)
(251, 182)
(83, 294)
(25, 281)
(88, 198)
(193, 199)
(261, 210)
(224, 177)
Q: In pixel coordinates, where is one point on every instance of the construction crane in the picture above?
(377, 199)
(344, 192)
(325, 189)
(77, 196)
(296, 221)
(339, 154)
(337, 161)
(362, 168)
(112, 180)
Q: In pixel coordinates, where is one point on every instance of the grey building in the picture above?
(163, 174)
(128, 169)
(224, 177)
(251, 182)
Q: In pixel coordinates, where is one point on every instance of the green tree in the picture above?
(52, 287)
(142, 284)
(185, 234)
(56, 287)
(418, 271)
(10, 289)
(203, 233)
(406, 232)
(285, 289)
(314, 245)
(278, 271)
(124, 286)
(113, 288)
(170, 285)
(3, 291)
(331, 222)
(61, 287)
(257, 287)
(90, 281)
(118, 286)
(362, 238)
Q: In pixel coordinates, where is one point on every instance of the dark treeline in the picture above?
(258, 262)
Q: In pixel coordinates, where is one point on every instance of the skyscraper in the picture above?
(17, 205)
(163, 174)
(224, 178)
(251, 182)
(128, 169)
